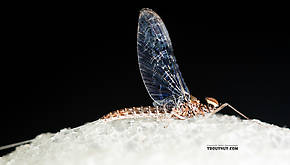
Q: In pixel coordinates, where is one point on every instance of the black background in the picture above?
(69, 68)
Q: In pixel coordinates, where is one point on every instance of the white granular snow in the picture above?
(150, 141)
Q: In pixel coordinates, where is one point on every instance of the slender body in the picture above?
(184, 111)
(162, 77)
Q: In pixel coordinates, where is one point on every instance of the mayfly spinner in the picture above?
(162, 78)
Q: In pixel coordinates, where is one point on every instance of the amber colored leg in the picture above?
(226, 104)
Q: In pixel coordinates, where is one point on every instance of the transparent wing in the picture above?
(157, 64)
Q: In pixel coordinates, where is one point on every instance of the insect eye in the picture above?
(212, 101)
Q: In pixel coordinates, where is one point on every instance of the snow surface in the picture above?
(150, 141)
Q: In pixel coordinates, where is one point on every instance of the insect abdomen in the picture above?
(135, 112)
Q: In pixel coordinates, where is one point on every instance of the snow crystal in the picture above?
(163, 141)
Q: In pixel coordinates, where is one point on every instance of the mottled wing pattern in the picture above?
(157, 64)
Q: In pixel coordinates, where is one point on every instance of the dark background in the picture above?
(69, 68)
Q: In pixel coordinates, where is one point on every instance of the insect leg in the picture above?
(226, 104)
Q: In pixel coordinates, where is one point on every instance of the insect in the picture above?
(162, 77)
